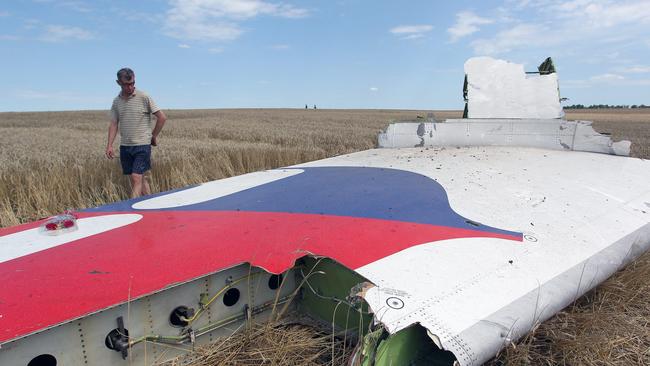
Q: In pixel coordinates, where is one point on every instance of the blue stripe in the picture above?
(388, 194)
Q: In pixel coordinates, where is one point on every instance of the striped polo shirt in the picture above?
(134, 118)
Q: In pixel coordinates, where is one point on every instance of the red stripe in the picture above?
(164, 248)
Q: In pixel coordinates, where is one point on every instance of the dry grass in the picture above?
(50, 162)
(622, 124)
(608, 326)
(287, 345)
(53, 161)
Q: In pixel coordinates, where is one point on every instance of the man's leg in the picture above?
(126, 159)
(136, 185)
(145, 185)
(141, 164)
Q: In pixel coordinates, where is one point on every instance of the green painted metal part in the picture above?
(333, 281)
(465, 111)
(465, 88)
(410, 346)
(546, 67)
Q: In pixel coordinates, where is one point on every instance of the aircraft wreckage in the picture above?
(446, 244)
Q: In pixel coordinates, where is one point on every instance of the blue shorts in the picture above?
(135, 159)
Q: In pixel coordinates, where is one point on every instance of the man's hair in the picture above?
(125, 74)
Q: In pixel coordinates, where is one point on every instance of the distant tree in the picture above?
(605, 106)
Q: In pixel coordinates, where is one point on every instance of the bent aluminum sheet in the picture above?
(501, 89)
(583, 216)
(547, 133)
(476, 244)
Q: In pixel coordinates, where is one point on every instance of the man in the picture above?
(131, 114)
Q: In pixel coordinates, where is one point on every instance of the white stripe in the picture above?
(215, 189)
(30, 241)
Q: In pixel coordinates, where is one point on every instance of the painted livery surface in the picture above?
(476, 244)
(356, 215)
(583, 217)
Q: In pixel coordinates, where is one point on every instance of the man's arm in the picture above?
(160, 122)
(112, 132)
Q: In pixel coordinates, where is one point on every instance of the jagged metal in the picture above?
(548, 134)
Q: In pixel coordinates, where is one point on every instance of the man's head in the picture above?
(126, 81)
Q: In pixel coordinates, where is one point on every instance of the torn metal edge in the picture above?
(491, 334)
(554, 134)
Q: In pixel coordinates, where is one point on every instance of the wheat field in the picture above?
(54, 161)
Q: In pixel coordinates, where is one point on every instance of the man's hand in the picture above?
(112, 131)
(109, 152)
(160, 122)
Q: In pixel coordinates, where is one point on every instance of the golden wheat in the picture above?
(608, 326)
(53, 161)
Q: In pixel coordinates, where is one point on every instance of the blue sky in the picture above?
(63, 54)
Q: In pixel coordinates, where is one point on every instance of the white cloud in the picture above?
(61, 33)
(402, 29)
(137, 16)
(609, 14)
(607, 78)
(466, 23)
(183, 45)
(222, 31)
(504, 41)
(217, 20)
(558, 25)
(602, 13)
(215, 50)
(604, 79)
(594, 13)
(374, 89)
(78, 6)
(414, 36)
(411, 31)
(636, 69)
(237, 9)
(4, 13)
(575, 5)
(280, 47)
(521, 4)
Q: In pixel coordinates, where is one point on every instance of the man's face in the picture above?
(128, 86)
